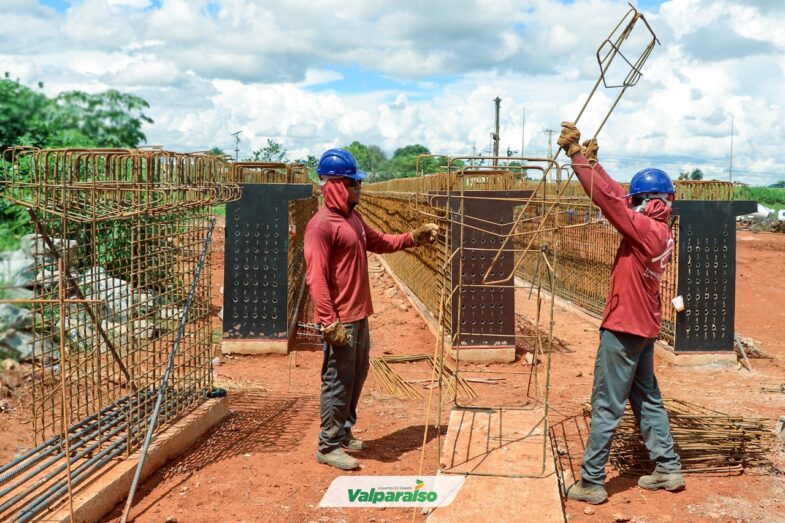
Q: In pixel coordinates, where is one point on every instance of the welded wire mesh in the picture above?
(118, 236)
(268, 172)
(300, 211)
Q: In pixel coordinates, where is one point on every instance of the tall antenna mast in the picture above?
(495, 134)
(236, 146)
(523, 134)
(730, 169)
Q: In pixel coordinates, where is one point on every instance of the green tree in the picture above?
(696, 174)
(272, 152)
(311, 162)
(108, 119)
(71, 119)
(370, 158)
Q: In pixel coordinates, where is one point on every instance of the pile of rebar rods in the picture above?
(707, 441)
(400, 388)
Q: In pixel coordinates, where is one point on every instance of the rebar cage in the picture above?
(118, 236)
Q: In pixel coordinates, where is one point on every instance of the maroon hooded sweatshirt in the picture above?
(336, 241)
(633, 304)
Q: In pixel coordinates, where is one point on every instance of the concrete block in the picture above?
(484, 354)
(255, 346)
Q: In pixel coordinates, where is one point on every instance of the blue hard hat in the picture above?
(651, 180)
(338, 162)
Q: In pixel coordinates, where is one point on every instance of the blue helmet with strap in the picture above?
(339, 163)
(651, 181)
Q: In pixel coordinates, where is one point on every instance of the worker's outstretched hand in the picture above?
(425, 233)
(570, 139)
(335, 334)
(590, 149)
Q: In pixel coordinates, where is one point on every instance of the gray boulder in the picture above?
(13, 317)
(16, 345)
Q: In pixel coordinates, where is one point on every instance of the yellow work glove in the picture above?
(335, 334)
(425, 233)
(590, 149)
(569, 139)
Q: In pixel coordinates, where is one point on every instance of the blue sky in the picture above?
(313, 75)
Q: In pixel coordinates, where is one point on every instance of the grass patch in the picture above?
(220, 210)
(772, 197)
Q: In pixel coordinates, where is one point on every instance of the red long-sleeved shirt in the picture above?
(633, 304)
(336, 241)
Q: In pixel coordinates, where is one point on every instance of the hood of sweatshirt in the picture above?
(657, 210)
(336, 197)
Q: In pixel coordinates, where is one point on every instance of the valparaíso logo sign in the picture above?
(392, 491)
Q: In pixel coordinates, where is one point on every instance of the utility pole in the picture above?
(236, 146)
(730, 170)
(523, 133)
(550, 142)
(495, 135)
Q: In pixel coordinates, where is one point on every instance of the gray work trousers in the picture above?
(344, 370)
(624, 370)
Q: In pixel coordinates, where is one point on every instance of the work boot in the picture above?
(351, 443)
(592, 494)
(339, 459)
(670, 481)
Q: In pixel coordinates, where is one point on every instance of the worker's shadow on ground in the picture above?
(259, 422)
(390, 447)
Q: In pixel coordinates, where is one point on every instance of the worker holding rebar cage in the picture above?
(336, 241)
(624, 369)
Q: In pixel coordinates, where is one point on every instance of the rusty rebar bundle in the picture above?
(706, 440)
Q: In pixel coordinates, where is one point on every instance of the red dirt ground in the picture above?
(259, 464)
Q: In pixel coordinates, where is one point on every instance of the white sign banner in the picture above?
(392, 491)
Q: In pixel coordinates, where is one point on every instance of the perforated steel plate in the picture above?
(483, 315)
(255, 263)
(707, 273)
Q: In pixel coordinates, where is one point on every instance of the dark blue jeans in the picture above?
(344, 370)
(624, 370)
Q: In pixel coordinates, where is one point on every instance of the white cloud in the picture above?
(320, 73)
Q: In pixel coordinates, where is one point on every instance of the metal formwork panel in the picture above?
(255, 267)
(483, 315)
(707, 273)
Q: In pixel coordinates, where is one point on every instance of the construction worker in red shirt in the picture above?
(336, 241)
(624, 368)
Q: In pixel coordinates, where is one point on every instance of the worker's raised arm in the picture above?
(317, 269)
(605, 192)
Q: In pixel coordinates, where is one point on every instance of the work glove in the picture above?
(425, 233)
(569, 139)
(335, 334)
(590, 149)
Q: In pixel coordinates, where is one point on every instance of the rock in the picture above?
(392, 291)
(11, 262)
(529, 357)
(620, 518)
(171, 519)
(9, 364)
(19, 293)
(33, 244)
(16, 345)
(713, 515)
(24, 276)
(13, 317)
(780, 431)
(588, 511)
(580, 374)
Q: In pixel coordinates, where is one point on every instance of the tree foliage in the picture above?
(694, 175)
(71, 119)
(272, 152)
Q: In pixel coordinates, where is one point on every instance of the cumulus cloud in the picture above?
(320, 73)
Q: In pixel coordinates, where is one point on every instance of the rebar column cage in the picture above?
(118, 235)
